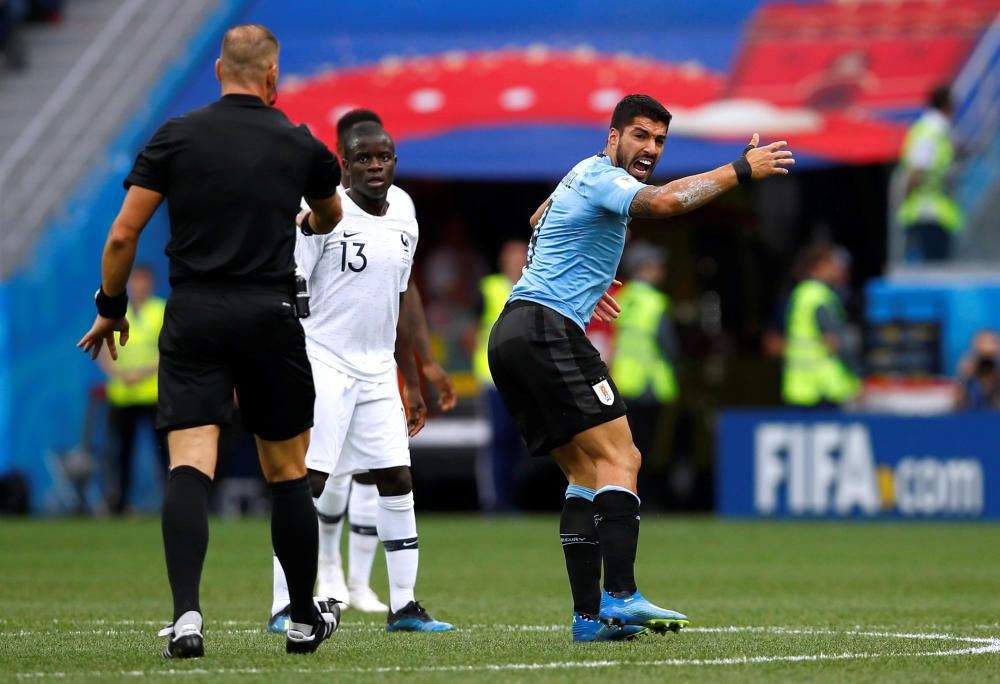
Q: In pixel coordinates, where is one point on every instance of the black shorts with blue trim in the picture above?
(551, 378)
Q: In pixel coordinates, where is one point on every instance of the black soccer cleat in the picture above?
(186, 640)
(327, 621)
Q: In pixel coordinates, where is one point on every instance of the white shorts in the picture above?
(359, 425)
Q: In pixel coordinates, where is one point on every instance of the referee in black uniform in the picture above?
(233, 174)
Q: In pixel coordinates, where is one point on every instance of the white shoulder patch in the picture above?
(625, 182)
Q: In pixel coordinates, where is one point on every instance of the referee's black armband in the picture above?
(111, 307)
(743, 171)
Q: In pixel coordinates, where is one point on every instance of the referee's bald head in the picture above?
(249, 51)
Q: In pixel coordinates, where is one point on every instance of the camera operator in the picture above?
(978, 382)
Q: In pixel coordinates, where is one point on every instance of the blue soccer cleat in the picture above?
(413, 618)
(278, 623)
(591, 629)
(636, 610)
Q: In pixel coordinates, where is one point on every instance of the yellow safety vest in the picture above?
(639, 365)
(141, 351)
(928, 201)
(812, 372)
(496, 290)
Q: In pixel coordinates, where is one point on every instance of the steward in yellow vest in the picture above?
(640, 368)
(494, 289)
(928, 214)
(134, 377)
(131, 388)
(815, 373)
(497, 472)
(645, 347)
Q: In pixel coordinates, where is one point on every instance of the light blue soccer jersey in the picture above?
(579, 239)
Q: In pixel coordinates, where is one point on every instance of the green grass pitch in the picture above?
(82, 601)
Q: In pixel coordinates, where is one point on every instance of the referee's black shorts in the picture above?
(217, 337)
(550, 376)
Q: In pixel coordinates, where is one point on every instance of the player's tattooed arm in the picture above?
(686, 194)
(682, 195)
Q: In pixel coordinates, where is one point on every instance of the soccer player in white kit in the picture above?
(357, 279)
(357, 497)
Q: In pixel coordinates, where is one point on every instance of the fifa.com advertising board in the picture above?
(793, 464)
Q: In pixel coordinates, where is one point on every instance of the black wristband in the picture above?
(304, 226)
(743, 171)
(111, 307)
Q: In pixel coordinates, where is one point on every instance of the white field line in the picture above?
(972, 646)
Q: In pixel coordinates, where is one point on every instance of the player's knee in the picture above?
(632, 458)
(393, 481)
(317, 482)
(364, 478)
(626, 460)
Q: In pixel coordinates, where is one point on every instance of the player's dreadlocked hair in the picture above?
(355, 116)
(632, 106)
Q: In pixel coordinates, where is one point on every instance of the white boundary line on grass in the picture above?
(973, 646)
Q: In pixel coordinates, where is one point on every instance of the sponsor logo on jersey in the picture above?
(626, 182)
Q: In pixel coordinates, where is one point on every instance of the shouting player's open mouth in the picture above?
(641, 167)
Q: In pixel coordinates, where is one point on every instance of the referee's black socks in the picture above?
(185, 534)
(616, 512)
(295, 537)
(578, 535)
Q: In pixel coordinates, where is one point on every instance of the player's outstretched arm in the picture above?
(689, 193)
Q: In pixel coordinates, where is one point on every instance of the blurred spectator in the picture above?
(646, 346)
(12, 14)
(845, 78)
(929, 216)
(131, 386)
(820, 354)
(773, 340)
(47, 11)
(978, 376)
(450, 272)
(496, 471)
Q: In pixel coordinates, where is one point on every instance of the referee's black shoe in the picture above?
(307, 638)
(186, 640)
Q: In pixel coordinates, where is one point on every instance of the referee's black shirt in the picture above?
(233, 174)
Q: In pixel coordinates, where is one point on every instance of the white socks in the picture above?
(389, 519)
(363, 539)
(279, 592)
(397, 530)
(330, 507)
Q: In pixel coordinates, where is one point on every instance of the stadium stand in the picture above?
(87, 76)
